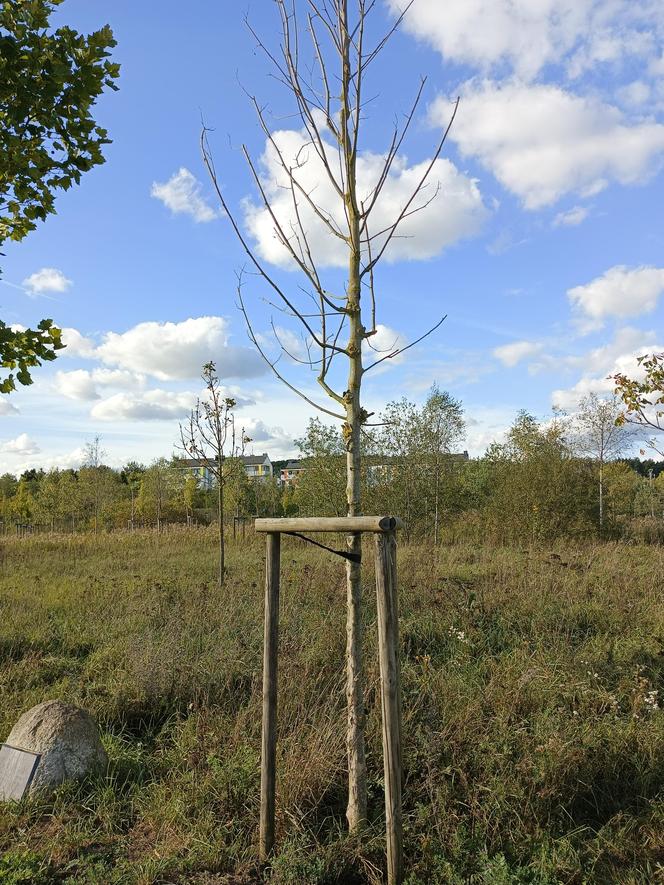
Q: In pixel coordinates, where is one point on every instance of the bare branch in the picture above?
(401, 350)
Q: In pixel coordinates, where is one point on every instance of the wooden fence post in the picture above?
(269, 740)
(390, 688)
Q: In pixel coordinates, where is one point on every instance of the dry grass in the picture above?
(533, 745)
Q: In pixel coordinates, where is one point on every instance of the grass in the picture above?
(533, 742)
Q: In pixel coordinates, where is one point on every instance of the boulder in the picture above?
(67, 739)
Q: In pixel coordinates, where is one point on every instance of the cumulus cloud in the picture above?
(182, 195)
(6, 408)
(152, 405)
(385, 341)
(48, 279)
(21, 445)
(457, 211)
(600, 364)
(77, 345)
(526, 36)
(82, 384)
(573, 217)
(620, 292)
(542, 142)
(512, 354)
(169, 351)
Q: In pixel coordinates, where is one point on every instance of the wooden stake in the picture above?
(390, 686)
(270, 645)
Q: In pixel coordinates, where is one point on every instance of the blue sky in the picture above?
(544, 246)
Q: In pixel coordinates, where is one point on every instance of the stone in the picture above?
(67, 740)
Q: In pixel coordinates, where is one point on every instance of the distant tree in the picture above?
(418, 471)
(539, 490)
(49, 81)
(206, 436)
(155, 490)
(321, 488)
(98, 484)
(644, 399)
(49, 498)
(599, 434)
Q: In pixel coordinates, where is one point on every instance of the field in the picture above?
(533, 734)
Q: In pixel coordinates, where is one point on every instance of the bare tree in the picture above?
(599, 435)
(326, 50)
(205, 437)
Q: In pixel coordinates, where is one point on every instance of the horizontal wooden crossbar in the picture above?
(330, 524)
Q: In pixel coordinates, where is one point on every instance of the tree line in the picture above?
(561, 477)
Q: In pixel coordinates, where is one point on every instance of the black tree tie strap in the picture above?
(351, 557)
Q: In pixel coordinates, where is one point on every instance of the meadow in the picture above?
(533, 681)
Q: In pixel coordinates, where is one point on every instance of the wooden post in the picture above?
(390, 688)
(269, 742)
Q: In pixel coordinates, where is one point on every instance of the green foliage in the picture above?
(49, 82)
(23, 868)
(644, 398)
(23, 349)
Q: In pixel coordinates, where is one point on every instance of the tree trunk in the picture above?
(356, 811)
(220, 518)
(601, 497)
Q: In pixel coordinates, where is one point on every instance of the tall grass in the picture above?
(533, 734)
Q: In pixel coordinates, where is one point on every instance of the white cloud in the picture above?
(512, 354)
(456, 212)
(77, 345)
(48, 279)
(76, 385)
(600, 364)
(385, 341)
(182, 195)
(7, 408)
(169, 351)
(527, 35)
(620, 292)
(153, 405)
(573, 217)
(22, 445)
(635, 93)
(542, 142)
(82, 384)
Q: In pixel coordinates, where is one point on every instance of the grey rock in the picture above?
(67, 739)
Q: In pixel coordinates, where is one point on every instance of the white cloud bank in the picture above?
(82, 384)
(542, 142)
(182, 195)
(512, 354)
(600, 364)
(152, 405)
(6, 408)
(456, 212)
(171, 351)
(620, 292)
(527, 35)
(21, 445)
(48, 279)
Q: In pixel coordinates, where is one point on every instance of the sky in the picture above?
(543, 245)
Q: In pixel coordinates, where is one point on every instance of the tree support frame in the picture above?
(384, 530)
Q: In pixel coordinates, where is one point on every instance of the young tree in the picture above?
(206, 436)
(335, 322)
(644, 398)
(49, 81)
(601, 436)
(96, 481)
(156, 486)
